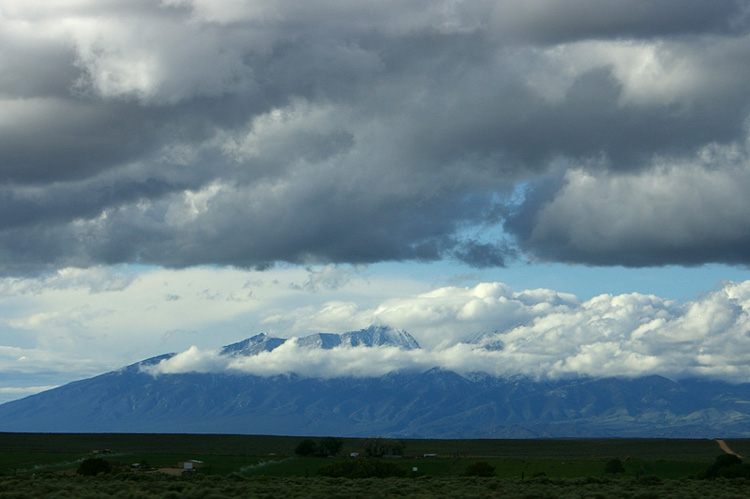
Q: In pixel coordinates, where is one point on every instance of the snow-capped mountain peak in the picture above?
(373, 336)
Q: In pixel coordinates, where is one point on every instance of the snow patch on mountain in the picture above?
(373, 336)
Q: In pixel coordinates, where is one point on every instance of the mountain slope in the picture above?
(435, 404)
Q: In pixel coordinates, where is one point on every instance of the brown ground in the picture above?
(171, 471)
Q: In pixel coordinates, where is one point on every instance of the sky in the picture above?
(569, 176)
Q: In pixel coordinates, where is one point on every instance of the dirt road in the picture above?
(726, 448)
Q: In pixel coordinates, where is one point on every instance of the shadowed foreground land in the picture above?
(200, 486)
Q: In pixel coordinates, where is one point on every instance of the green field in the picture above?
(270, 455)
(688, 449)
(43, 465)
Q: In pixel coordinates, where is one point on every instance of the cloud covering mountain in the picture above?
(188, 132)
(538, 334)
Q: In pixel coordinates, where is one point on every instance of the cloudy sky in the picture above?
(572, 175)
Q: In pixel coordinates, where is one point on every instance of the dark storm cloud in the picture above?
(244, 133)
(686, 214)
(552, 21)
(248, 225)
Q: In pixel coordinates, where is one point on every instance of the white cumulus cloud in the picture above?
(559, 336)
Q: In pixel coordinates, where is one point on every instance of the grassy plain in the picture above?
(260, 445)
(273, 455)
(42, 465)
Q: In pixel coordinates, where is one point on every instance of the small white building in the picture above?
(190, 465)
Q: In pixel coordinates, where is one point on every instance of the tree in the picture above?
(306, 447)
(614, 466)
(93, 466)
(727, 466)
(377, 447)
(331, 445)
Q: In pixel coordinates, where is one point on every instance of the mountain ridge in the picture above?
(434, 403)
(368, 337)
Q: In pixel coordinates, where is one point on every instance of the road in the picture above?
(726, 448)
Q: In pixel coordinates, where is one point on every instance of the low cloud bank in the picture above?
(552, 336)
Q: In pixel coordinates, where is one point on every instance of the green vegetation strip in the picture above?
(270, 456)
(261, 445)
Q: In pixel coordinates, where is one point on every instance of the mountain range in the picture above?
(435, 403)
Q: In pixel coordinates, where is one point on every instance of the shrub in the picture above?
(614, 466)
(306, 447)
(727, 466)
(480, 468)
(93, 466)
(649, 480)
